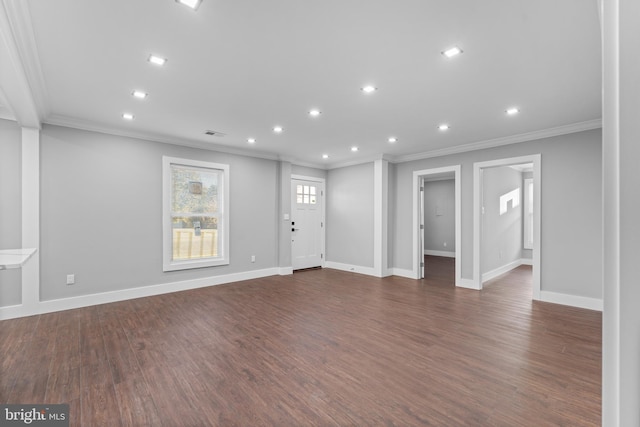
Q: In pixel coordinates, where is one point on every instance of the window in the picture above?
(195, 214)
(306, 194)
(528, 213)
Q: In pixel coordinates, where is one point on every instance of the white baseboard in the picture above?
(526, 261)
(572, 300)
(403, 273)
(501, 270)
(468, 284)
(369, 271)
(285, 271)
(440, 253)
(126, 294)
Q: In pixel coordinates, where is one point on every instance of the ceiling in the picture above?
(241, 67)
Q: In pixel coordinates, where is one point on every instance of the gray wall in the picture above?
(101, 212)
(502, 233)
(440, 226)
(10, 207)
(350, 215)
(571, 203)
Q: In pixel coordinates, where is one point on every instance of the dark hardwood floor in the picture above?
(320, 347)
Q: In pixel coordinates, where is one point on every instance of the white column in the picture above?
(621, 202)
(31, 218)
(380, 217)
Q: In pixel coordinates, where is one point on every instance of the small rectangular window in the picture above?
(195, 214)
(528, 213)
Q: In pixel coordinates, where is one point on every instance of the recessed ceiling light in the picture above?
(193, 4)
(443, 126)
(452, 51)
(278, 129)
(251, 140)
(128, 116)
(354, 149)
(314, 112)
(157, 60)
(369, 89)
(325, 156)
(139, 94)
(511, 111)
(393, 139)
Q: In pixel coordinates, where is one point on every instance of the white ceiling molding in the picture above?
(5, 111)
(70, 122)
(74, 123)
(21, 74)
(299, 162)
(497, 142)
(361, 160)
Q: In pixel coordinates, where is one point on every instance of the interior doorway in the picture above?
(419, 179)
(307, 222)
(491, 259)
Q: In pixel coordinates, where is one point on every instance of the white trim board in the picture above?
(369, 271)
(380, 214)
(285, 271)
(468, 284)
(504, 269)
(401, 272)
(50, 306)
(571, 300)
(440, 253)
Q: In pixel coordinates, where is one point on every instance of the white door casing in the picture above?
(422, 230)
(307, 223)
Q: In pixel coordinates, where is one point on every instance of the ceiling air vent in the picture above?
(214, 133)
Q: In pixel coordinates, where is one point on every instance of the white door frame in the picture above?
(418, 252)
(323, 190)
(477, 215)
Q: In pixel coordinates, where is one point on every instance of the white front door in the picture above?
(306, 223)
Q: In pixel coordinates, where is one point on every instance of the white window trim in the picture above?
(167, 245)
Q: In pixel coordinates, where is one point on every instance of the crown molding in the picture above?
(298, 162)
(6, 114)
(65, 121)
(507, 140)
(70, 122)
(362, 160)
(22, 28)
(20, 72)
(5, 110)
(75, 123)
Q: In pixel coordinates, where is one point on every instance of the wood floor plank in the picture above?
(320, 347)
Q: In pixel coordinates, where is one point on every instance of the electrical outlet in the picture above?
(445, 244)
(71, 279)
(253, 258)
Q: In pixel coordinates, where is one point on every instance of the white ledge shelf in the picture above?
(14, 258)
